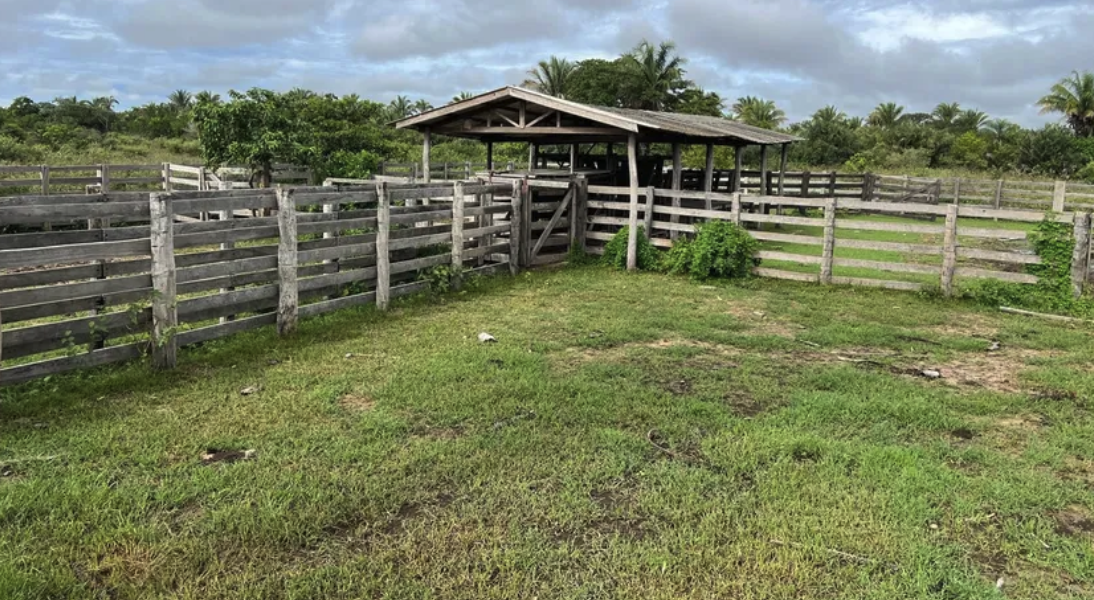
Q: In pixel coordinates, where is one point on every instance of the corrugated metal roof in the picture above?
(696, 126)
(702, 126)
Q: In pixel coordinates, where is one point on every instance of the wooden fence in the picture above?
(123, 274)
(69, 179)
(980, 246)
(1058, 196)
(447, 171)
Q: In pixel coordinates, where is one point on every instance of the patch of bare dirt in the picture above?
(993, 371)
(971, 326)
(743, 404)
(1077, 469)
(356, 403)
(762, 323)
(1074, 520)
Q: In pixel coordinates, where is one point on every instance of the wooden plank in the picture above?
(458, 222)
(52, 255)
(878, 283)
(829, 243)
(804, 259)
(326, 306)
(648, 213)
(37, 370)
(886, 266)
(515, 232)
(757, 218)
(71, 333)
(287, 261)
(949, 250)
(1000, 275)
(788, 275)
(206, 334)
(194, 310)
(1008, 215)
(24, 215)
(898, 227)
(1080, 257)
(997, 256)
(383, 253)
(164, 312)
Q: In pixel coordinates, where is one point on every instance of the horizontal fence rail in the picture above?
(122, 275)
(69, 179)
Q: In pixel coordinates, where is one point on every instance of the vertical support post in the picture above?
(104, 178)
(515, 233)
(527, 198)
(828, 257)
(487, 220)
(867, 187)
(1059, 194)
(414, 173)
(949, 250)
(227, 215)
(832, 184)
(738, 167)
(1080, 259)
(763, 171)
(807, 183)
(957, 190)
(998, 195)
(651, 200)
(467, 170)
(167, 185)
(677, 182)
(445, 171)
(632, 237)
(581, 212)
(457, 235)
(164, 306)
(288, 298)
(531, 156)
(383, 258)
(782, 168)
(427, 147)
(708, 176)
(573, 158)
(45, 192)
(490, 158)
(735, 209)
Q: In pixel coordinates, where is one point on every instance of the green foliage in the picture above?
(719, 249)
(615, 251)
(970, 150)
(1051, 152)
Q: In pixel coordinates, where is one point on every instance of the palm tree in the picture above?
(460, 97)
(552, 77)
(886, 115)
(1001, 129)
(970, 120)
(180, 100)
(829, 114)
(206, 97)
(401, 107)
(1074, 98)
(104, 109)
(422, 106)
(759, 112)
(946, 113)
(657, 76)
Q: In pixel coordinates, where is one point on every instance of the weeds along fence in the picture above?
(78, 179)
(128, 274)
(847, 241)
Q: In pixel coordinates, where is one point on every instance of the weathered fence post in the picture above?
(164, 306)
(867, 187)
(226, 215)
(735, 209)
(998, 196)
(949, 250)
(828, 256)
(47, 226)
(104, 178)
(806, 184)
(651, 200)
(457, 235)
(515, 234)
(1080, 259)
(486, 200)
(957, 190)
(632, 221)
(581, 213)
(527, 198)
(288, 298)
(167, 177)
(1059, 194)
(383, 258)
(832, 184)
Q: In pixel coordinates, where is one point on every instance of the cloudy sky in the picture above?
(997, 55)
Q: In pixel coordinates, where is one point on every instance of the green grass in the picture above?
(627, 437)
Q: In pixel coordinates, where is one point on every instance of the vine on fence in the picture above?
(1054, 243)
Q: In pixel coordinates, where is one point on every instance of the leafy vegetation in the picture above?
(719, 249)
(628, 436)
(615, 251)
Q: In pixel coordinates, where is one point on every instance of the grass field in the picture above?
(628, 436)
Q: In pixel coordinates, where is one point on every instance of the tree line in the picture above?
(348, 136)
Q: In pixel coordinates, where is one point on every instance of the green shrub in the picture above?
(615, 251)
(720, 249)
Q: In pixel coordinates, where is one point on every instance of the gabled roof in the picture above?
(626, 120)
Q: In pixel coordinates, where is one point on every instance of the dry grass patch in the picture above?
(356, 403)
